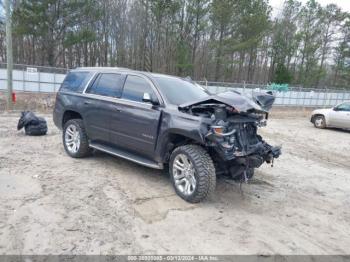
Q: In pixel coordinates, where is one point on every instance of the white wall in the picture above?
(34, 82)
(50, 82)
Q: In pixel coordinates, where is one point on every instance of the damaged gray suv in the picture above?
(164, 121)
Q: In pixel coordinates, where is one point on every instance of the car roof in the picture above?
(124, 70)
(97, 68)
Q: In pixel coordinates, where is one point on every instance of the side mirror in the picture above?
(147, 98)
(335, 109)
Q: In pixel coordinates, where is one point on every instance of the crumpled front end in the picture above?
(231, 131)
(235, 139)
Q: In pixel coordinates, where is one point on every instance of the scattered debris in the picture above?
(33, 125)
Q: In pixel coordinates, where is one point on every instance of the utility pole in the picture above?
(9, 54)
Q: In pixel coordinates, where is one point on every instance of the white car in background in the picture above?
(338, 116)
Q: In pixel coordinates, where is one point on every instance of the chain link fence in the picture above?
(28, 78)
(42, 79)
(295, 96)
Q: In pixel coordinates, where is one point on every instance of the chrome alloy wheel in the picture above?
(183, 173)
(72, 139)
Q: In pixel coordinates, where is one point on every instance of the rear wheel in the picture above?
(319, 122)
(192, 172)
(75, 140)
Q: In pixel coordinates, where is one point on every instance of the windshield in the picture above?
(178, 91)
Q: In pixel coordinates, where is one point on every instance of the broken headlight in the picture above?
(220, 131)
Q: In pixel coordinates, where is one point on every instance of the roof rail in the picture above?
(102, 67)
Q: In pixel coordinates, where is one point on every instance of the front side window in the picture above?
(135, 87)
(344, 107)
(107, 84)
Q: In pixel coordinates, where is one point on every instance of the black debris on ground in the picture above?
(32, 124)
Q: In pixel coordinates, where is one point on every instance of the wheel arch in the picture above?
(316, 115)
(325, 117)
(70, 114)
(174, 139)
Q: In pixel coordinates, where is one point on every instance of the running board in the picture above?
(127, 155)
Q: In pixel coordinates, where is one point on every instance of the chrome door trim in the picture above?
(122, 100)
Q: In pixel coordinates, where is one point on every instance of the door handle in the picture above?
(87, 103)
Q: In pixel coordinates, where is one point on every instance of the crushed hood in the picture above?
(260, 102)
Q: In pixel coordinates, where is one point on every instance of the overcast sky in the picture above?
(343, 4)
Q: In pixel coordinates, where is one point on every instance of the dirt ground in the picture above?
(53, 204)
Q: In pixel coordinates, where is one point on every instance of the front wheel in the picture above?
(319, 122)
(192, 172)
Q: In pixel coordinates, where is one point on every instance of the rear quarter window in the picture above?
(76, 81)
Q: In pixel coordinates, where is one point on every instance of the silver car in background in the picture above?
(338, 116)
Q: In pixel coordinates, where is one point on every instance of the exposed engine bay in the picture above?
(230, 124)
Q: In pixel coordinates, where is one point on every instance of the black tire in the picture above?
(240, 177)
(204, 172)
(319, 121)
(84, 150)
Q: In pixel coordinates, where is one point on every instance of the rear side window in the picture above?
(135, 87)
(75, 81)
(108, 84)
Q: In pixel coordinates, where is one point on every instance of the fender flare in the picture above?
(165, 143)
